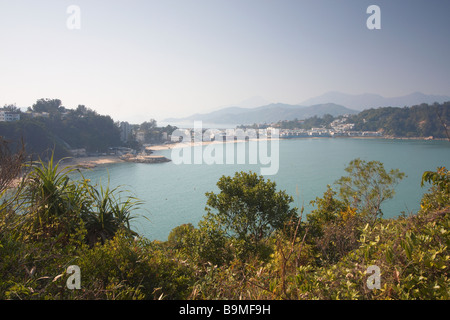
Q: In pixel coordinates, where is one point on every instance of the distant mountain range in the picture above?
(369, 100)
(265, 114)
(334, 103)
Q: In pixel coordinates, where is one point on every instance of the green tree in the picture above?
(48, 105)
(333, 227)
(439, 195)
(150, 130)
(327, 209)
(177, 237)
(81, 110)
(248, 207)
(367, 186)
(11, 108)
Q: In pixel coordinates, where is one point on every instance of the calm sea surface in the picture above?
(174, 194)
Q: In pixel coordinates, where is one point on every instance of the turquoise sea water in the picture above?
(174, 194)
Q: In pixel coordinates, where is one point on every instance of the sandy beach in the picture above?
(89, 162)
(92, 162)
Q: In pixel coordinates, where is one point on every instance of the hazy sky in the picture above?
(137, 60)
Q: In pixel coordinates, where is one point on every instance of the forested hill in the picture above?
(417, 121)
(48, 126)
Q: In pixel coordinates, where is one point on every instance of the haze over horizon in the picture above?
(138, 60)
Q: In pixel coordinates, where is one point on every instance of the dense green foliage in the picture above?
(309, 123)
(51, 128)
(248, 207)
(39, 140)
(367, 186)
(56, 221)
(87, 130)
(417, 121)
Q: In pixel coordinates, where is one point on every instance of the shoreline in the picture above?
(89, 162)
(94, 161)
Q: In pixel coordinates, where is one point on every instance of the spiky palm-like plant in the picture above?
(107, 212)
(53, 203)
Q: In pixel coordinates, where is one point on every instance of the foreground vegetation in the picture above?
(251, 244)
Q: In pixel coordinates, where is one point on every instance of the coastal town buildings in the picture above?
(339, 130)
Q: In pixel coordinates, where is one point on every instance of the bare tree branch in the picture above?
(11, 164)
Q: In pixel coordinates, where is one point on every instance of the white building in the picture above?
(125, 131)
(9, 116)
